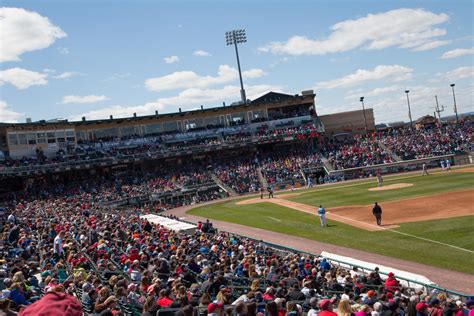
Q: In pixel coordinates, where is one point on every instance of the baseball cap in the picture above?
(421, 306)
(324, 304)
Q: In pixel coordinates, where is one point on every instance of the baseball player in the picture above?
(443, 167)
(377, 211)
(322, 215)
(424, 171)
(270, 191)
(448, 165)
(379, 179)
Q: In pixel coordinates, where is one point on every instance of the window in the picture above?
(31, 138)
(22, 139)
(60, 136)
(81, 135)
(170, 126)
(51, 137)
(106, 133)
(152, 129)
(127, 131)
(13, 139)
(41, 138)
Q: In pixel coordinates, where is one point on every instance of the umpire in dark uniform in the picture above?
(377, 211)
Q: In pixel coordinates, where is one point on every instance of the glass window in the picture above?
(152, 129)
(31, 138)
(106, 133)
(41, 137)
(69, 133)
(22, 139)
(170, 126)
(13, 139)
(59, 134)
(127, 131)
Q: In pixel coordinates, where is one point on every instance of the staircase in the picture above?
(261, 178)
(392, 154)
(303, 175)
(326, 163)
(223, 186)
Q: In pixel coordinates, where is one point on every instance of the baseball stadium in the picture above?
(262, 206)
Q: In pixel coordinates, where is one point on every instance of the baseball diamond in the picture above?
(155, 160)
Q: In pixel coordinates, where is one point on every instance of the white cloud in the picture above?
(361, 76)
(187, 99)
(355, 95)
(458, 52)
(116, 76)
(459, 73)
(21, 78)
(47, 70)
(405, 28)
(7, 115)
(66, 75)
(253, 73)
(25, 31)
(76, 99)
(201, 53)
(189, 79)
(171, 59)
(63, 50)
(430, 45)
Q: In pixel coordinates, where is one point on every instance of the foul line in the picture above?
(406, 234)
(275, 219)
(431, 240)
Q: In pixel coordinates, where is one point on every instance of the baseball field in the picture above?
(426, 219)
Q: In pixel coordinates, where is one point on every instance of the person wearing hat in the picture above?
(215, 309)
(322, 215)
(421, 309)
(435, 307)
(326, 307)
(391, 283)
(377, 211)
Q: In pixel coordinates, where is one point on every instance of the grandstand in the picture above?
(78, 195)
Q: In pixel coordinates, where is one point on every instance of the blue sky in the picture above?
(97, 58)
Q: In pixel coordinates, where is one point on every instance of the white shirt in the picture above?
(11, 218)
(58, 244)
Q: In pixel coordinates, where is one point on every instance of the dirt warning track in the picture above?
(446, 205)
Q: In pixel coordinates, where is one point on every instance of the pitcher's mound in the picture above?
(392, 187)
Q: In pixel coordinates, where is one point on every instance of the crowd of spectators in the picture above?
(286, 167)
(357, 151)
(68, 255)
(437, 141)
(240, 175)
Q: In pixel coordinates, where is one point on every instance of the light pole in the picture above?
(365, 118)
(233, 38)
(409, 109)
(455, 107)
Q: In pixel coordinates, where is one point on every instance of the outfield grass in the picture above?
(358, 194)
(455, 231)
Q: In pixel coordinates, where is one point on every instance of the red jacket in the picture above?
(391, 284)
(54, 304)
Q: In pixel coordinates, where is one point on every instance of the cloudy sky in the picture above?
(97, 58)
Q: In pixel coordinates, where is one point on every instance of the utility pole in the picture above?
(437, 109)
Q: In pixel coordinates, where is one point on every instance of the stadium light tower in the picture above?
(365, 118)
(455, 106)
(233, 38)
(409, 109)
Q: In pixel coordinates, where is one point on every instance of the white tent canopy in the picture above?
(169, 223)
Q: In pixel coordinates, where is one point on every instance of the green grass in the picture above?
(358, 194)
(455, 231)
